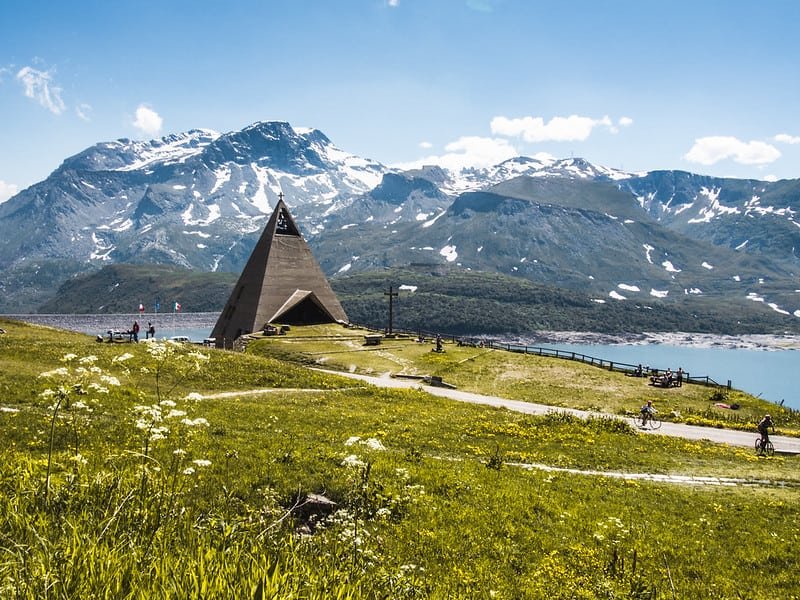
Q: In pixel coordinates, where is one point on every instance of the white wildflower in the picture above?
(352, 461)
(122, 357)
(110, 380)
(174, 413)
(352, 440)
(179, 452)
(167, 403)
(69, 357)
(374, 444)
(98, 388)
(202, 462)
(8, 409)
(199, 421)
(188, 471)
(88, 360)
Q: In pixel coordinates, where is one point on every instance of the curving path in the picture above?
(783, 444)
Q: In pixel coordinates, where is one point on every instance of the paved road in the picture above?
(783, 445)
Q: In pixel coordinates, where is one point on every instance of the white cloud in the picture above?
(394, 3)
(3, 72)
(84, 111)
(785, 138)
(39, 86)
(425, 145)
(147, 120)
(712, 149)
(770, 178)
(625, 122)
(557, 129)
(7, 190)
(468, 151)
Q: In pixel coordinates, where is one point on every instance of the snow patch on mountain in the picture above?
(259, 199)
(359, 173)
(214, 213)
(449, 253)
(777, 308)
(616, 295)
(713, 208)
(221, 176)
(647, 250)
(669, 267)
(753, 206)
(102, 249)
(169, 150)
(427, 224)
(122, 225)
(628, 288)
(659, 293)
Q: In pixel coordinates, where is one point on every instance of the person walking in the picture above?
(135, 332)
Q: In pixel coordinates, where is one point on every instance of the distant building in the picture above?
(281, 283)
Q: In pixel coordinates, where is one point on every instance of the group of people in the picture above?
(133, 332)
(668, 378)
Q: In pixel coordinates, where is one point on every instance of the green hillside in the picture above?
(157, 470)
(449, 300)
(120, 288)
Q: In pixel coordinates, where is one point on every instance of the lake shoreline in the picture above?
(98, 323)
(765, 342)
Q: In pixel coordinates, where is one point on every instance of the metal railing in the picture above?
(555, 353)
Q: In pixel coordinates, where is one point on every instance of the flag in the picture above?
(177, 307)
(141, 308)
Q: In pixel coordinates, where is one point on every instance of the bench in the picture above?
(373, 339)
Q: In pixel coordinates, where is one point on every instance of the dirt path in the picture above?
(746, 439)
(735, 438)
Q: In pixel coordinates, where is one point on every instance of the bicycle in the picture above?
(648, 421)
(764, 450)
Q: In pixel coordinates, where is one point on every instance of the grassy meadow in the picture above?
(172, 471)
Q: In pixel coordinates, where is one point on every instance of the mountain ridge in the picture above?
(199, 199)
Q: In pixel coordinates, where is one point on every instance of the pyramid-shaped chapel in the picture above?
(281, 283)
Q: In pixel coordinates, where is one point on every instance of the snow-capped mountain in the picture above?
(199, 200)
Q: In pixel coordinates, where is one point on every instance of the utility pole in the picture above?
(391, 295)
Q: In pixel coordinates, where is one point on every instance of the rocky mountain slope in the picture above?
(199, 200)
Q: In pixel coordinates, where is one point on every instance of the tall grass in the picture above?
(326, 490)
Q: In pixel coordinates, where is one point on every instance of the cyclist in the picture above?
(763, 427)
(647, 411)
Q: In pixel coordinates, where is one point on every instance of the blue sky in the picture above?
(708, 86)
